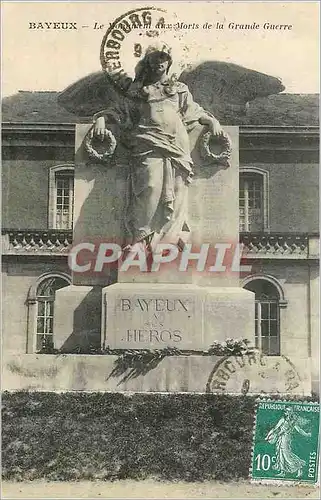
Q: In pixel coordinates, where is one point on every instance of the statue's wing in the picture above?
(90, 95)
(224, 89)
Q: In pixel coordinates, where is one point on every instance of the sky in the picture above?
(51, 59)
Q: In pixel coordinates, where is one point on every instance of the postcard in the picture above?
(160, 249)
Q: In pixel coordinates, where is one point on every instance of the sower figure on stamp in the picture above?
(282, 436)
(154, 118)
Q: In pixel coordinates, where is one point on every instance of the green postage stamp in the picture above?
(286, 442)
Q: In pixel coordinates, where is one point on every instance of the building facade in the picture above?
(278, 202)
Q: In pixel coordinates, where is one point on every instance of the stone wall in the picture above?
(25, 184)
(17, 279)
(25, 194)
(293, 191)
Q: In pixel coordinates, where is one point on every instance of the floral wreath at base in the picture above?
(109, 148)
(229, 347)
(224, 140)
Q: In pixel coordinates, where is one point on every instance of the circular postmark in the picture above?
(254, 373)
(127, 39)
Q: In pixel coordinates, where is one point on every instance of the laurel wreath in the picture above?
(109, 143)
(225, 142)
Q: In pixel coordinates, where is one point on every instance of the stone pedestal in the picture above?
(189, 317)
(77, 318)
(99, 203)
(188, 309)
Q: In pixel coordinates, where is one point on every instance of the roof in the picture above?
(284, 109)
(36, 107)
(280, 109)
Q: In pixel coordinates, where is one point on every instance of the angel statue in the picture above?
(154, 118)
(281, 435)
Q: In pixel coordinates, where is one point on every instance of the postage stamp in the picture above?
(286, 442)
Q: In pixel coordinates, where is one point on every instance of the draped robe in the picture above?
(154, 121)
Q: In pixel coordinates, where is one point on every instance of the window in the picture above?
(253, 200)
(61, 197)
(64, 200)
(41, 302)
(45, 310)
(267, 316)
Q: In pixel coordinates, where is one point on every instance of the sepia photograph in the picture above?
(160, 249)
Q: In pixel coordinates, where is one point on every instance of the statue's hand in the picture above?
(212, 124)
(215, 127)
(99, 129)
(106, 148)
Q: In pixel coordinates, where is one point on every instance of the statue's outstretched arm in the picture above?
(191, 112)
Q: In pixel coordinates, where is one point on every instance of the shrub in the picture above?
(108, 436)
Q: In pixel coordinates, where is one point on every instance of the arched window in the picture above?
(61, 197)
(41, 302)
(253, 200)
(267, 315)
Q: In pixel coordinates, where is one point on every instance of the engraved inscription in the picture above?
(154, 320)
(165, 336)
(154, 305)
